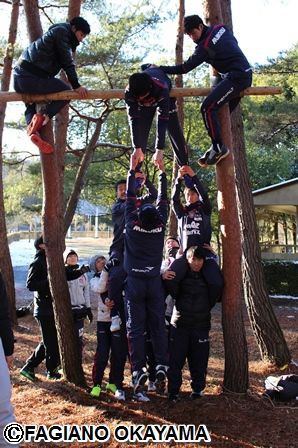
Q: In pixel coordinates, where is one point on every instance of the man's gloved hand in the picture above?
(85, 268)
(111, 263)
(89, 315)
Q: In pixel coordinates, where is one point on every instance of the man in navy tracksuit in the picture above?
(194, 226)
(217, 46)
(146, 94)
(144, 295)
(116, 273)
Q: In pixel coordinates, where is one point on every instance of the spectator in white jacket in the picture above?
(109, 344)
(79, 296)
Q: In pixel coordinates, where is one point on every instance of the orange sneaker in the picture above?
(43, 146)
(35, 124)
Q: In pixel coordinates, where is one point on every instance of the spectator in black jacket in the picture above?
(37, 68)
(6, 360)
(217, 46)
(37, 281)
(190, 324)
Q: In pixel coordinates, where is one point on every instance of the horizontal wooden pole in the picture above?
(6, 97)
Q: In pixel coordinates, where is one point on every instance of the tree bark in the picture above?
(236, 357)
(180, 106)
(53, 231)
(265, 326)
(5, 259)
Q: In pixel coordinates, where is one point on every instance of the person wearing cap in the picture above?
(110, 345)
(79, 295)
(37, 281)
(217, 46)
(144, 296)
(148, 93)
(36, 70)
(190, 323)
(6, 362)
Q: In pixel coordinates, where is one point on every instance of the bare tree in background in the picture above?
(5, 260)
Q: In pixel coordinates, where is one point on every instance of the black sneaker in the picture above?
(54, 375)
(161, 376)
(139, 378)
(28, 373)
(202, 160)
(196, 395)
(216, 155)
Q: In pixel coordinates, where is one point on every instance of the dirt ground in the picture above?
(232, 420)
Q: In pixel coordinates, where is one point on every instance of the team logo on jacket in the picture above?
(218, 35)
(146, 269)
(140, 229)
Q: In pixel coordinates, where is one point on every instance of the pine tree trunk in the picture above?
(236, 358)
(53, 231)
(5, 259)
(180, 105)
(265, 326)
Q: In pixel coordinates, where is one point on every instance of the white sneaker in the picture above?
(151, 387)
(120, 395)
(115, 324)
(141, 396)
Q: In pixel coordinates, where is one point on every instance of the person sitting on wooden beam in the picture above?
(217, 46)
(37, 67)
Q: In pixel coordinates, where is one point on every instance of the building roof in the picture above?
(282, 197)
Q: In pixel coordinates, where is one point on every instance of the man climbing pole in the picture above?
(37, 67)
(217, 46)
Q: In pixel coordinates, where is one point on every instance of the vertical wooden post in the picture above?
(236, 359)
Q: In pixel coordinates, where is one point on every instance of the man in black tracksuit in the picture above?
(190, 324)
(194, 225)
(146, 94)
(217, 46)
(116, 273)
(37, 281)
(144, 295)
(40, 63)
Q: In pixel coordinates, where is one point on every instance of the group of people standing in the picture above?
(155, 312)
(154, 306)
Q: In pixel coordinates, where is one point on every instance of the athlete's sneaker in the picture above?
(139, 378)
(28, 373)
(54, 375)
(95, 391)
(151, 386)
(140, 396)
(35, 124)
(115, 324)
(217, 153)
(195, 395)
(110, 387)
(161, 375)
(42, 145)
(202, 160)
(120, 395)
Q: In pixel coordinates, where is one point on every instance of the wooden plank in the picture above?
(119, 94)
